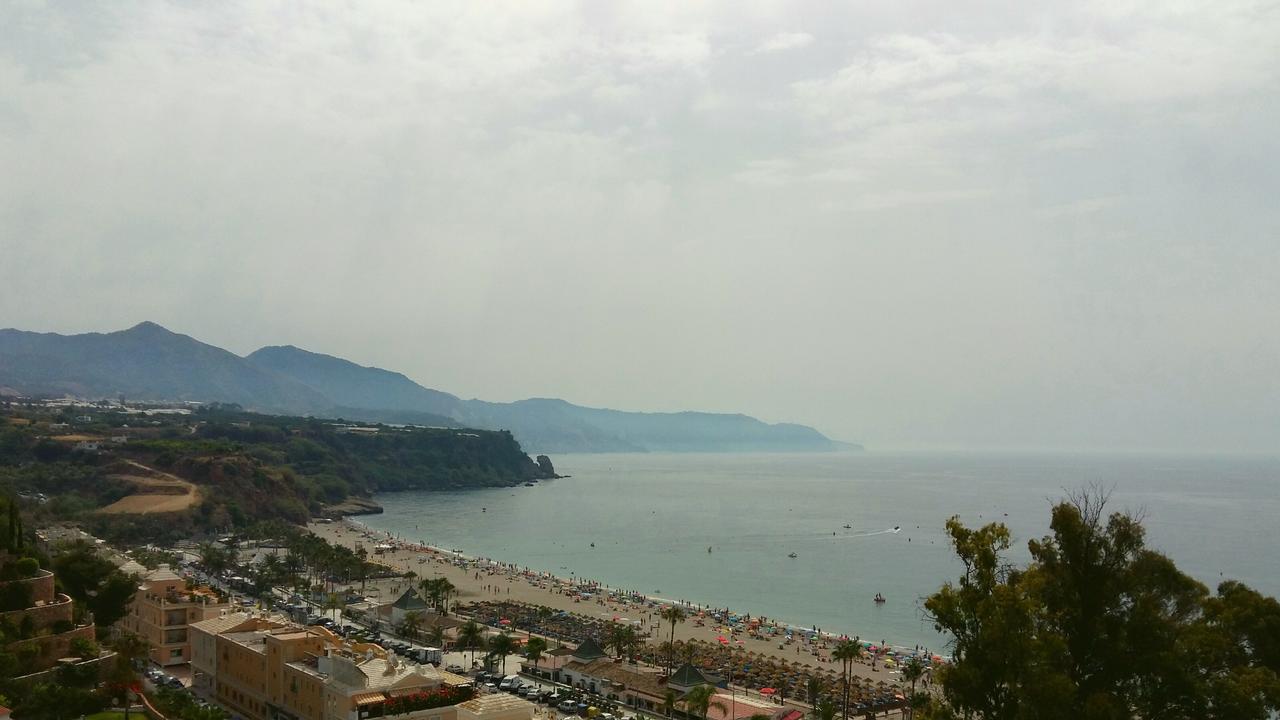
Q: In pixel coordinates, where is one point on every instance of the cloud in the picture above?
(785, 41)
(1000, 215)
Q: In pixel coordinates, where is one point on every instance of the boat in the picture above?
(528, 484)
(791, 555)
(879, 599)
(847, 526)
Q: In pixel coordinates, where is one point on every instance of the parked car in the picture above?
(567, 706)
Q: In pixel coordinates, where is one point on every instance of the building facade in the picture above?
(267, 668)
(163, 610)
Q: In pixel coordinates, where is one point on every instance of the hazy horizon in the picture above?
(1008, 225)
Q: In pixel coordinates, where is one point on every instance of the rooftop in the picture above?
(648, 683)
(494, 702)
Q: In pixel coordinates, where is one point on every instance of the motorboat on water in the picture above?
(879, 599)
(792, 555)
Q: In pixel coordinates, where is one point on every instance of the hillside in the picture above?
(544, 424)
(223, 467)
(148, 362)
(347, 384)
(145, 362)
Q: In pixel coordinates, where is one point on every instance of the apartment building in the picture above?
(267, 668)
(163, 610)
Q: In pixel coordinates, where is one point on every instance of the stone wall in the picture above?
(53, 647)
(44, 615)
(41, 586)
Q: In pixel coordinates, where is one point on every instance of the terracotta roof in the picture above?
(606, 669)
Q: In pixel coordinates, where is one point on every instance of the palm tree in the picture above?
(534, 650)
(912, 671)
(699, 701)
(812, 690)
(363, 556)
(688, 652)
(214, 559)
(471, 636)
(335, 604)
(673, 615)
(501, 646)
(293, 565)
(669, 703)
(846, 652)
(129, 649)
(411, 624)
(622, 638)
(447, 590)
(430, 589)
(435, 636)
(825, 710)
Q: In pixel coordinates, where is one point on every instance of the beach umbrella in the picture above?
(767, 691)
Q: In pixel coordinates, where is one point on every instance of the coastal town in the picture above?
(430, 635)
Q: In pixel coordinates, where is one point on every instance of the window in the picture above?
(175, 653)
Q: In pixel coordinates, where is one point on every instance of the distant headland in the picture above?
(150, 363)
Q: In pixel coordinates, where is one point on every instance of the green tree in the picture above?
(622, 638)
(669, 702)
(435, 635)
(500, 646)
(471, 637)
(825, 710)
(533, 649)
(94, 583)
(672, 614)
(812, 689)
(411, 625)
(847, 651)
(699, 701)
(912, 671)
(1099, 626)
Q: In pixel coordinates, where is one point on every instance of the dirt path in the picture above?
(157, 491)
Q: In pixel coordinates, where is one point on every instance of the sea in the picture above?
(719, 530)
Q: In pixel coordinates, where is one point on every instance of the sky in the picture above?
(1027, 224)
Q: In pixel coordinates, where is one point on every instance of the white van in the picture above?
(510, 682)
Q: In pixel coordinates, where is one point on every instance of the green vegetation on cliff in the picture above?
(244, 466)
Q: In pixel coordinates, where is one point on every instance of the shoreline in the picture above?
(473, 576)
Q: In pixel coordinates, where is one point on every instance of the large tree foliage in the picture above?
(94, 583)
(1099, 626)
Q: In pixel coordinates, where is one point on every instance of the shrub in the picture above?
(28, 567)
(84, 648)
(15, 596)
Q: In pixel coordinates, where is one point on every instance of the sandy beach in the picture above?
(488, 579)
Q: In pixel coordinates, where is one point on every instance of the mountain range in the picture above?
(150, 363)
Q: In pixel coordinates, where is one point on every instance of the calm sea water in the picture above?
(653, 516)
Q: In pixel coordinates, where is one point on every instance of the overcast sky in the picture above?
(1010, 224)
